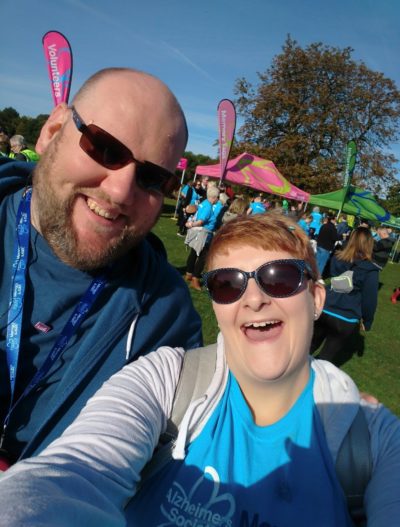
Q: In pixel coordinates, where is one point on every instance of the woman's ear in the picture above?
(51, 127)
(319, 298)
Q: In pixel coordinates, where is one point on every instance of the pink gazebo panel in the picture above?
(260, 174)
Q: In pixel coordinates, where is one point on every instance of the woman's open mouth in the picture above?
(260, 331)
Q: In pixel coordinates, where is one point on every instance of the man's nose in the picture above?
(121, 185)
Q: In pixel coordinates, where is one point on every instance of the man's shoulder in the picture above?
(13, 175)
(383, 243)
(155, 267)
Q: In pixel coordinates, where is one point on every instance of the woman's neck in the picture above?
(270, 401)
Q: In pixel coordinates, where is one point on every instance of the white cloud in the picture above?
(182, 57)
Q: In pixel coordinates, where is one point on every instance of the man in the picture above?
(98, 289)
(326, 242)
(382, 246)
(20, 150)
(202, 189)
(343, 228)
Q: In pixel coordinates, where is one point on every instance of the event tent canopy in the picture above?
(359, 202)
(257, 173)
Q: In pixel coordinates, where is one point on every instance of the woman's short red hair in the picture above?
(271, 231)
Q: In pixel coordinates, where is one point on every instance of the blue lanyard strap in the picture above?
(20, 261)
(74, 321)
(14, 328)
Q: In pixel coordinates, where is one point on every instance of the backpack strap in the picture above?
(354, 465)
(198, 367)
(197, 371)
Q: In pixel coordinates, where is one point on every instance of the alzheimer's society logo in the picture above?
(201, 507)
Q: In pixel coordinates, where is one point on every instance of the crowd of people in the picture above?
(326, 233)
(97, 326)
(340, 247)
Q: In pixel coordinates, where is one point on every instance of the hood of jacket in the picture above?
(360, 268)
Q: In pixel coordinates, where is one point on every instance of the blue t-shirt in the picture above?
(205, 212)
(304, 225)
(257, 207)
(195, 197)
(239, 474)
(316, 223)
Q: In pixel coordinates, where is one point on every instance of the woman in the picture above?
(343, 312)
(316, 223)
(258, 448)
(199, 236)
(304, 221)
(236, 208)
(188, 201)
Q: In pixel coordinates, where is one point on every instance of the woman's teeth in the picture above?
(261, 324)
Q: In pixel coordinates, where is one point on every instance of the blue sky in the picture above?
(199, 48)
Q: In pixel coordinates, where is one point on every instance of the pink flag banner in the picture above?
(259, 174)
(182, 165)
(58, 54)
(226, 124)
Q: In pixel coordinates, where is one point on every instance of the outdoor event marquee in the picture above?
(257, 173)
(358, 202)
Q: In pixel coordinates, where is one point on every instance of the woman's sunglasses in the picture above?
(110, 153)
(278, 279)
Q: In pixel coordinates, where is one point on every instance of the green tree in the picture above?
(9, 119)
(392, 202)
(308, 105)
(15, 123)
(30, 128)
(193, 161)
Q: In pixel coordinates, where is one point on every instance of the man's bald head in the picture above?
(146, 84)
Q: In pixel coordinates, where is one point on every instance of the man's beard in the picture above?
(54, 217)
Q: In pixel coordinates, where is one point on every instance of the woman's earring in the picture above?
(316, 315)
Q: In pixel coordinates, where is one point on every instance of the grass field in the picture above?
(375, 365)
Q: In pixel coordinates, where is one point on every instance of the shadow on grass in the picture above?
(168, 209)
(355, 346)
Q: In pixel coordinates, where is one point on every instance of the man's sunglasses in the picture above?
(110, 153)
(278, 279)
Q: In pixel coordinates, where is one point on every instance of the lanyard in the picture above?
(14, 326)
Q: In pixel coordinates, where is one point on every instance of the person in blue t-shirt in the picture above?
(304, 221)
(199, 236)
(316, 223)
(258, 447)
(256, 206)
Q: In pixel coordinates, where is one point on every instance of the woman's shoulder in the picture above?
(338, 266)
(366, 267)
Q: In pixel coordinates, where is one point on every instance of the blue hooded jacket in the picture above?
(359, 304)
(151, 307)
